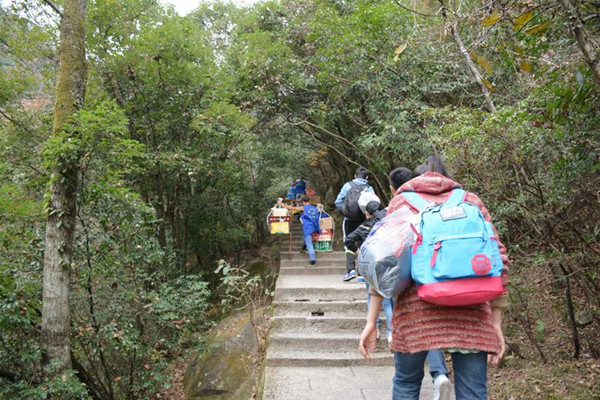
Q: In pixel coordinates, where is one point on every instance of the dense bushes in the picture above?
(193, 126)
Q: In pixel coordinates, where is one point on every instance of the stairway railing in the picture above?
(290, 238)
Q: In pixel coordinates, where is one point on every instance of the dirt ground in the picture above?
(565, 380)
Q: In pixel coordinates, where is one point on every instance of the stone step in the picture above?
(318, 270)
(335, 383)
(321, 261)
(295, 239)
(318, 317)
(330, 383)
(318, 288)
(315, 324)
(325, 255)
(351, 292)
(280, 357)
(320, 308)
(334, 341)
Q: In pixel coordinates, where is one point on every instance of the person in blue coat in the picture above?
(300, 186)
(310, 224)
(291, 195)
(360, 181)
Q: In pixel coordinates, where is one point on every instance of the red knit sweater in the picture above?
(418, 325)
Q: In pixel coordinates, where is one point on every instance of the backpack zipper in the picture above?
(436, 249)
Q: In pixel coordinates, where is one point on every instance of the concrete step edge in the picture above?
(323, 335)
(316, 359)
(320, 303)
(323, 318)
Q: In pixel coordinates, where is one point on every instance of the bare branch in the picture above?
(53, 6)
(583, 39)
(453, 26)
(417, 12)
(14, 121)
(331, 147)
(343, 139)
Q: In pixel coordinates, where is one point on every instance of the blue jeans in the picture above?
(437, 363)
(470, 375)
(309, 246)
(388, 308)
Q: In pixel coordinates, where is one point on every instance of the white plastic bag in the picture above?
(384, 259)
(365, 198)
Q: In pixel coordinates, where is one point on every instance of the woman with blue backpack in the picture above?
(472, 333)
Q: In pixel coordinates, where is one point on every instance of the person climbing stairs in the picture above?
(313, 340)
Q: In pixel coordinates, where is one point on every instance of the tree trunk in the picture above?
(584, 42)
(463, 50)
(60, 223)
(160, 208)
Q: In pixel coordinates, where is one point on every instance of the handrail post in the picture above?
(290, 239)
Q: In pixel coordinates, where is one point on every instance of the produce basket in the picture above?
(324, 241)
(278, 221)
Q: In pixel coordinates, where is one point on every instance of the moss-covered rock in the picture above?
(227, 369)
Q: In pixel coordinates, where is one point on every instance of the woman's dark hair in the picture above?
(433, 164)
(420, 169)
(399, 177)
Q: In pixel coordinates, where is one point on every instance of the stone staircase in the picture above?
(316, 326)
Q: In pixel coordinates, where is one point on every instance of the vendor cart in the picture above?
(278, 220)
(324, 241)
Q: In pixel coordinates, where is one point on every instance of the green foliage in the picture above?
(241, 288)
(26, 43)
(541, 325)
(194, 125)
(91, 134)
(63, 386)
(20, 280)
(181, 304)
(130, 316)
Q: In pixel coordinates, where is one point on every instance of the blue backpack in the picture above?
(455, 259)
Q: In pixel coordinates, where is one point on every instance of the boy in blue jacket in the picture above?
(310, 224)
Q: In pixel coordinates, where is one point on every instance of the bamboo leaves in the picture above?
(526, 67)
(518, 22)
(491, 19)
(522, 20)
(482, 61)
(537, 28)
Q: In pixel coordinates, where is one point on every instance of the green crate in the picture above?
(323, 245)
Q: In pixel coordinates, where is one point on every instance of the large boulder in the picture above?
(228, 369)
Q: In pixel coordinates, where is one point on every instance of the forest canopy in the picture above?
(191, 126)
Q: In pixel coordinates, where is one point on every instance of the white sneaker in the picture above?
(442, 388)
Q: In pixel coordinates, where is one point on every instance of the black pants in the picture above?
(350, 262)
(348, 226)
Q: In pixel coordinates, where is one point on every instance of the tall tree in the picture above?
(586, 44)
(60, 222)
(453, 26)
